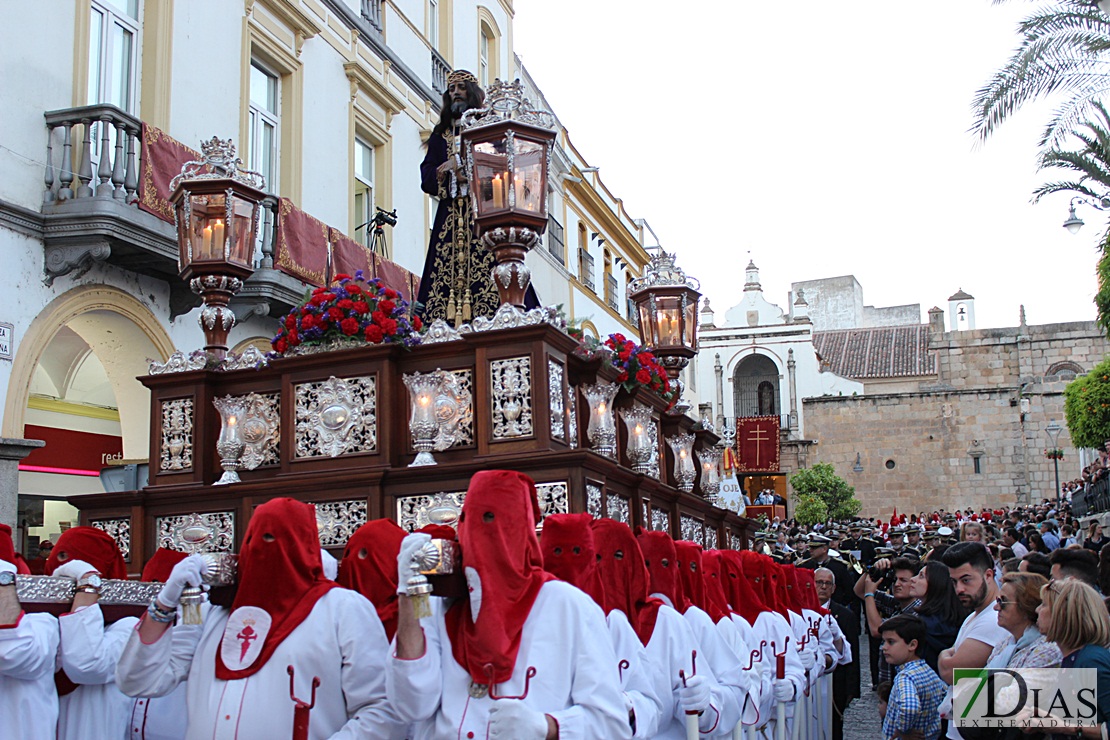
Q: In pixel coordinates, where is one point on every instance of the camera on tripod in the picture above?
(384, 217)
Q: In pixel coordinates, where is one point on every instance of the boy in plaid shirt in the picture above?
(918, 691)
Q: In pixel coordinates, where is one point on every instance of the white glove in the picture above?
(808, 658)
(74, 569)
(409, 546)
(510, 719)
(694, 696)
(6, 567)
(186, 573)
(783, 691)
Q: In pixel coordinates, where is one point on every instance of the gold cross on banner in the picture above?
(757, 437)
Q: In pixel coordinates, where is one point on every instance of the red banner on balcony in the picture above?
(348, 256)
(160, 160)
(302, 244)
(757, 442)
(394, 276)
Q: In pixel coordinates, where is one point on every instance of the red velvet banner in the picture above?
(757, 442)
(394, 276)
(302, 244)
(348, 256)
(160, 160)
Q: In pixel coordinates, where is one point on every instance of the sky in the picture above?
(823, 139)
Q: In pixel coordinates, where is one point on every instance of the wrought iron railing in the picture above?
(611, 293)
(586, 268)
(555, 239)
(1093, 499)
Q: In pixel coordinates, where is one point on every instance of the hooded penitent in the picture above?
(161, 563)
(716, 593)
(807, 587)
(769, 578)
(569, 553)
(7, 551)
(788, 592)
(504, 572)
(691, 572)
(280, 580)
(625, 576)
(369, 566)
(745, 583)
(95, 546)
(661, 559)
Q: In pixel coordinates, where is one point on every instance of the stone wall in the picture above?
(973, 409)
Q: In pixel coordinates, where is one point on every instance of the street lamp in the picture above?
(1073, 223)
(667, 303)
(1053, 431)
(507, 145)
(216, 207)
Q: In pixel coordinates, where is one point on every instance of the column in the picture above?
(790, 364)
(11, 452)
(719, 375)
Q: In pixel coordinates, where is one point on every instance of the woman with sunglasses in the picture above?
(1026, 647)
(940, 609)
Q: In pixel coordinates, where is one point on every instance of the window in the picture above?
(433, 23)
(755, 387)
(483, 58)
(629, 304)
(263, 124)
(586, 268)
(610, 281)
(114, 53)
(364, 190)
(555, 238)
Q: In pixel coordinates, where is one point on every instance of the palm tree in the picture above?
(1065, 49)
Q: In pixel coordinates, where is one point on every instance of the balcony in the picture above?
(372, 13)
(90, 213)
(555, 239)
(440, 70)
(586, 268)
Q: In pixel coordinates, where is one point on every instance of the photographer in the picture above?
(886, 574)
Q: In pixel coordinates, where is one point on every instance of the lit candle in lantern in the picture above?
(498, 191)
(423, 411)
(218, 237)
(206, 239)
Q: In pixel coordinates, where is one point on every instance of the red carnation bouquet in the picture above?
(350, 309)
(637, 366)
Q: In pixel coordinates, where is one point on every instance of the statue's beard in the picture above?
(458, 108)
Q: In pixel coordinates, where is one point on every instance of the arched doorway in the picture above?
(755, 387)
(73, 383)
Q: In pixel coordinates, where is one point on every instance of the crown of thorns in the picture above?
(461, 75)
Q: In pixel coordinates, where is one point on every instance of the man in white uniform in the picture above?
(526, 656)
(288, 623)
(28, 646)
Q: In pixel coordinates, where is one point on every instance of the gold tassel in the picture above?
(421, 606)
(466, 307)
(451, 306)
(191, 598)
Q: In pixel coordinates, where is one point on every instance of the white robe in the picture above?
(641, 682)
(723, 656)
(28, 651)
(671, 649)
(341, 642)
(88, 654)
(565, 639)
(166, 717)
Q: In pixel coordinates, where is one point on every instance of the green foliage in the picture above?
(1087, 407)
(810, 509)
(822, 482)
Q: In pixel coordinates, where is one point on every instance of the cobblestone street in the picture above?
(861, 721)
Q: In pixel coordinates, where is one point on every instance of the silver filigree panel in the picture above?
(61, 590)
(572, 417)
(593, 499)
(338, 520)
(261, 430)
(511, 396)
(177, 435)
(464, 430)
(413, 511)
(213, 531)
(660, 519)
(555, 399)
(734, 541)
(618, 508)
(692, 529)
(553, 498)
(710, 538)
(120, 531)
(656, 455)
(336, 417)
